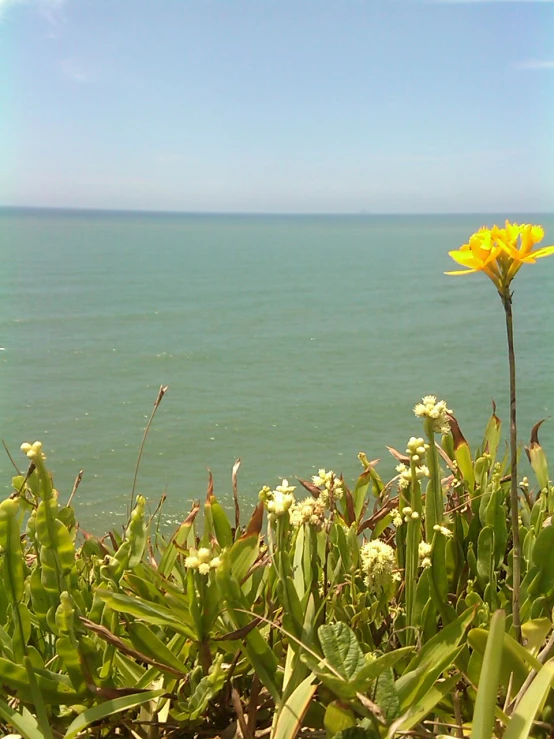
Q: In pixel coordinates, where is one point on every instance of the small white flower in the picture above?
(308, 511)
(204, 554)
(192, 562)
(436, 410)
(331, 484)
(285, 488)
(32, 451)
(280, 502)
(442, 530)
(204, 568)
(424, 552)
(396, 517)
(379, 563)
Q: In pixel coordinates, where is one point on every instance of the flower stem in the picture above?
(506, 297)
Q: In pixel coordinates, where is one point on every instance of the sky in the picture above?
(323, 106)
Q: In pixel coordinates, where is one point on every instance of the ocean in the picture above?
(290, 342)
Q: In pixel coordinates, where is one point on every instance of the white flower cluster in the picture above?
(310, 511)
(329, 483)
(32, 451)
(202, 560)
(416, 448)
(436, 410)
(378, 564)
(406, 474)
(442, 530)
(424, 554)
(396, 517)
(409, 514)
(278, 501)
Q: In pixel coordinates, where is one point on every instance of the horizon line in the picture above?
(160, 211)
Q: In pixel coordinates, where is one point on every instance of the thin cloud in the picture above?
(71, 69)
(535, 64)
(49, 9)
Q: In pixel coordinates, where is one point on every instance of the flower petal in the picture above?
(465, 258)
(544, 252)
(461, 272)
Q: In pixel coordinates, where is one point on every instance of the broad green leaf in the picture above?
(535, 632)
(435, 656)
(341, 649)
(54, 691)
(107, 709)
(485, 552)
(242, 555)
(222, 527)
(338, 717)
(419, 710)
(487, 692)
(516, 661)
(208, 687)
(289, 717)
(25, 723)
(39, 703)
(145, 641)
(386, 696)
(149, 612)
(374, 667)
(531, 703)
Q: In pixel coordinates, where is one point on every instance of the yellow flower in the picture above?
(500, 252)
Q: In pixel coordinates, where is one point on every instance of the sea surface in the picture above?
(290, 342)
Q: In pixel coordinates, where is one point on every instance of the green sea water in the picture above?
(292, 342)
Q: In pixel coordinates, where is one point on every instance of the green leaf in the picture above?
(222, 527)
(208, 687)
(145, 641)
(242, 555)
(53, 689)
(531, 703)
(418, 710)
(338, 717)
(178, 539)
(485, 704)
(289, 718)
(516, 661)
(149, 612)
(38, 700)
(435, 656)
(386, 696)
(485, 550)
(109, 708)
(375, 667)
(534, 633)
(25, 723)
(341, 649)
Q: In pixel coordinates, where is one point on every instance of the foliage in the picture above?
(347, 613)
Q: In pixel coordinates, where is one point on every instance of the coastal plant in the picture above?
(499, 253)
(345, 610)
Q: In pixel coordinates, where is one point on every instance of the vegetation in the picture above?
(421, 606)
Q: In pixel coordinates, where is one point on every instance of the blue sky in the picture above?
(278, 105)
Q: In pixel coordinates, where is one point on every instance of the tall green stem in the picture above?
(514, 498)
